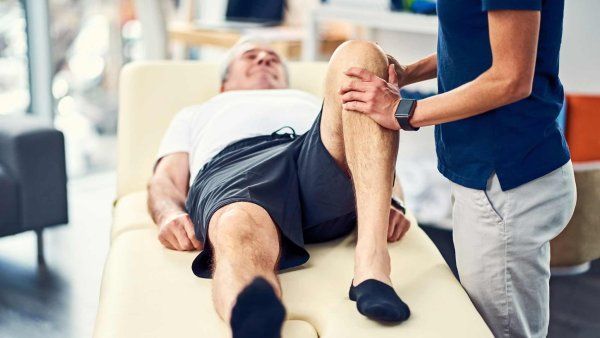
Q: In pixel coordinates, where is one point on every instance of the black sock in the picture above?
(257, 312)
(379, 301)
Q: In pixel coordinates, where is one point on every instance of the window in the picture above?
(14, 74)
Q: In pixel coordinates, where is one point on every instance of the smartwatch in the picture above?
(398, 204)
(404, 111)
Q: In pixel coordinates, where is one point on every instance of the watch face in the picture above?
(404, 112)
(404, 107)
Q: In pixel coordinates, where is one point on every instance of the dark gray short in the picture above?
(294, 178)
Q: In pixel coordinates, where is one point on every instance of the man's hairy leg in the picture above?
(245, 245)
(368, 152)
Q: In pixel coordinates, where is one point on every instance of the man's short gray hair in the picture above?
(239, 45)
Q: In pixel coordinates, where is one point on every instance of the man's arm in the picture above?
(167, 192)
(513, 38)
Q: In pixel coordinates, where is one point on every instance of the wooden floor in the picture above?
(60, 300)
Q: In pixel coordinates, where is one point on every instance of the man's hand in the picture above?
(177, 233)
(373, 96)
(399, 225)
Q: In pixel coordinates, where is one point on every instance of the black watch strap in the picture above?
(404, 111)
(398, 204)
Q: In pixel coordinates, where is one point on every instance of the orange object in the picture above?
(583, 127)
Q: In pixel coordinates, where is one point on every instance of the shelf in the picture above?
(378, 19)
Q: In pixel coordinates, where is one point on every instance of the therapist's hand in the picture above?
(401, 71)
(373, 96)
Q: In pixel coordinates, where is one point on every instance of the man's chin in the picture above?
(264, 81)
(257, 85)
(267, 86)
(263, 86)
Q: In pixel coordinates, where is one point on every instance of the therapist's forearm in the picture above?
(490, 90)
(513, 40)
(424, 69)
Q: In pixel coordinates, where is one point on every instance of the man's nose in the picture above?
(264, 58)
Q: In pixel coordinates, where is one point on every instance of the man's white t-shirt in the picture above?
(204, 130)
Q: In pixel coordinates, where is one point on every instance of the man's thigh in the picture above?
(325, 188)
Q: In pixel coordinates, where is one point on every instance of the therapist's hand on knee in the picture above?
(177, 233)
(372, 95)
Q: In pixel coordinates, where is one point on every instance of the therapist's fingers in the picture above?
(356, 86)
(392, 76)
(354, 96)
(360, 73)
(357, 106)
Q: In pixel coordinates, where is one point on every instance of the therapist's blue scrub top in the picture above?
(520, 141)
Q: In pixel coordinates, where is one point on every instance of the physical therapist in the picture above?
(498, 143)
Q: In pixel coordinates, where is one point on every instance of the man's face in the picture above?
(255, 67)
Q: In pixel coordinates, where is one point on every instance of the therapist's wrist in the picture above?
(404, 111)
(409, 75)
(417, 118)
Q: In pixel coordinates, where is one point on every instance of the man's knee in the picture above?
(360, 53)
(241, 222)
(353, 53)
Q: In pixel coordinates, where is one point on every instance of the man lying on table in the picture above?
(247, 180)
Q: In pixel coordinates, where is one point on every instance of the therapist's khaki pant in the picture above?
(503, 250)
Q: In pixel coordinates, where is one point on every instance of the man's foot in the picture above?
(378, 301)
(372, 263)
(371, 287)
(257, 312)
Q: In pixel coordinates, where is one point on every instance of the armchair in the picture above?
(33, 190)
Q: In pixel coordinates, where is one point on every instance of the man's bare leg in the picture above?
(246, 246)
(368, 152)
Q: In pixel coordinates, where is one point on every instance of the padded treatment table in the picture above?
(150, 291)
